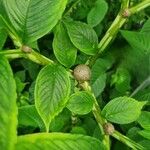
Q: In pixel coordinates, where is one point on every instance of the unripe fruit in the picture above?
(108, 128)
(82, 73)
(26, 49)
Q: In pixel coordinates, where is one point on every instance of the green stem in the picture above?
(139, 6)
(111, 33)
(33, 56)
(143, 85)
(117, 135)
(97, 114)
(116, 25)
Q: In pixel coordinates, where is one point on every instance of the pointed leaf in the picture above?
(144, 120)
(97, 13)
(146, 27)
(122, 110)
(64, 50)
(33, 18)
(58, 141)
(28, 116)
(52, 90)
(8, 108)
(82, 36)
(137, 40)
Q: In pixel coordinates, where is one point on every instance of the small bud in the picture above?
(82, 73)
(108, 128)
(26, 49)
(126, 13)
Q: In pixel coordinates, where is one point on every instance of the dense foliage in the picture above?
(74, 74)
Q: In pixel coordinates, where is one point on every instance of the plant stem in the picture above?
(97, 114)
(111, 33)
(117, 135)
(140, 6)
(143, 85)
(33, 56)
(116, 25)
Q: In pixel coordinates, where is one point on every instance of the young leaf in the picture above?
(144, 120)
(64, 50)
(8, 108)
(137, 40)
(56, 141)
(145, 134)
(122, 110)
(97, 13)
(82, 36)
(80, 103)
(34, 18)
(52, 90)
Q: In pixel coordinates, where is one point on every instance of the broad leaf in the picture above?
(8, 108)
(52, 90)
(64, 50)
(3, 37)
(81, 103)
(146, 27)
(97, 13)
(99, 84)
(122, 110)
(100, 67)
(143, 95)
(145, 134)
(82, 36)
(58, 141)
(121, 79)
(98, 78)
(137, 40)
(28, 116)
(33, 18)
(144, 120)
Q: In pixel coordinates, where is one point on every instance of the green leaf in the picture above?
(55, 141)
(143, 95)
(99, 85)
(146, 28)
(60, 122)
(64, 50)
(121, 79)
(144, 120)
(52, 90)
(81, 103)
(3, 37)
(28, 116)
(8, 108)
(122, 110)
(100, 67)
(97, 13)
(145, 144)
(137, 40)
(33, 19)
(145, 134)
(98, 78)
(82, 36)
